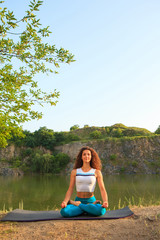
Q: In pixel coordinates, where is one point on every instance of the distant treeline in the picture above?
(48, 138)
(37, 153)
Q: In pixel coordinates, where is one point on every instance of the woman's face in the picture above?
(86, 156)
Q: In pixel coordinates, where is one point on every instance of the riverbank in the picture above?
(144, 224)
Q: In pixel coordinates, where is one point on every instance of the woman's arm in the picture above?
(70, 189)
(102, 188)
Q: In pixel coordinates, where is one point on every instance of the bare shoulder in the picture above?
(98, 173)
(73, 173)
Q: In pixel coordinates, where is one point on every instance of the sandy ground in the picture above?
(144, 224)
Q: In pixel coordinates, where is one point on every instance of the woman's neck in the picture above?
(86, 167)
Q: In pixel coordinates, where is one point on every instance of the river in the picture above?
(43, 192)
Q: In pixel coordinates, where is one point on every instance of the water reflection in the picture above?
(43, 192)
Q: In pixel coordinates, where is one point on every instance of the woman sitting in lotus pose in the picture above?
(86, 170)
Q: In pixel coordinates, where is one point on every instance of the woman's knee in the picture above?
(96, 209)
(102, 211)
(64, 212)
(71, 211)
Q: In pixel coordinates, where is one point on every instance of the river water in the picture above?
(43, 192)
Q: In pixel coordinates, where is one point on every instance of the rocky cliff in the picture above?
(128, 155)
(7, 154)
(118, 155)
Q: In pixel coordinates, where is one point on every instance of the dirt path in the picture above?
(144, 224)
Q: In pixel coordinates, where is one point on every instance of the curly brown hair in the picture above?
(95, 160)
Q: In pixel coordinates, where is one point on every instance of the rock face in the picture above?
(118, 155)
(7, 154)
(132, 155)
(6, 170)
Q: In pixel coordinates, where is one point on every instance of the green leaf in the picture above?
(18, 90)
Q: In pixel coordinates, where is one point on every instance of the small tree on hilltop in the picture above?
(158, 130)
(74, 127)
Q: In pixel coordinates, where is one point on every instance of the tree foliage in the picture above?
(40, 162)
(158, 130)
(75, 127)
(23, 54)
(95, 134)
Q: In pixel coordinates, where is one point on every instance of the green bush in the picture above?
(27, 152)
(131, 132)
(36, 163)
(48, 163)
(107, 129)
(86, 126)
(122, 170)
(29, 139)
(116, 132)
(16, 163)
(45, 137)
(59, 137)
(72, 137)
(75, 127)
(62, 159)
(95, 134)
(158, 130)
(134, 164)
(118, 125)
(113, 157)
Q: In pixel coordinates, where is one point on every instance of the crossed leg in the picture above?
(93, 209)
(71, 211)
(76, 208)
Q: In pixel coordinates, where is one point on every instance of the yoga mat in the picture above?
(18, 215)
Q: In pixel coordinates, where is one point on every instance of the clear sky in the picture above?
(116, 76)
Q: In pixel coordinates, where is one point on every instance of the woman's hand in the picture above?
(63, 204)
(105, 204)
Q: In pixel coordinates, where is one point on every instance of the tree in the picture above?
(23, 54)
(158, 130)
(75, 127)
(86, 126)
(117, 132)
(45, 137)
(95, 134)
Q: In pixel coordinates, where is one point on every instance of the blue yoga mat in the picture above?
(18, 215)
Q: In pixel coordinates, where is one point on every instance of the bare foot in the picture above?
(75, 203)
(97, 201)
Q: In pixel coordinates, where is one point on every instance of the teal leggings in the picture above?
(86, 206)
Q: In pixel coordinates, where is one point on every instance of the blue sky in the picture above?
(116, 76)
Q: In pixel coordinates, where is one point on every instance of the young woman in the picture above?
(87, 170)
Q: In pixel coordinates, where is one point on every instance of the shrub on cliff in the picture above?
(116, 132)
(133, 131)
(74, 127)
(47, 163)
(158, 130)
(96, 134)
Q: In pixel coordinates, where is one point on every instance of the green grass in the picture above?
(141, 202)
(4, 210)
(131, 202)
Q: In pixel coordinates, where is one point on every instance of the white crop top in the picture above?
(85, 181)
